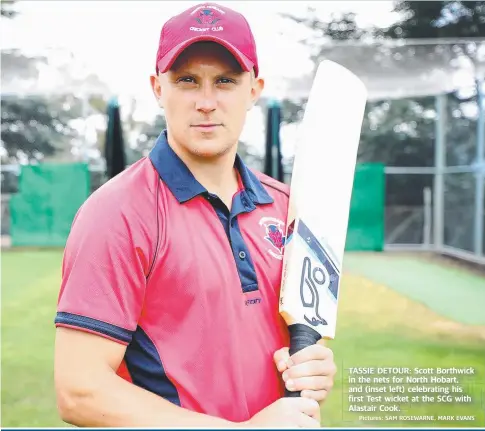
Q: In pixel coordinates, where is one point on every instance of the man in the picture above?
(168, 309)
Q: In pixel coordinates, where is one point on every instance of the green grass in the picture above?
(30, 284)
(449, 289)
(377, 327)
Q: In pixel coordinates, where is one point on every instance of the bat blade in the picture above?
(320, 195)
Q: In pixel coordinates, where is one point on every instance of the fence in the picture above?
(408, 224)
(48, 195)
(451, 214)
(412, 227)
(447, 217)
(10, 189)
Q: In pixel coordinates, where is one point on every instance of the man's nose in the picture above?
(207, 99)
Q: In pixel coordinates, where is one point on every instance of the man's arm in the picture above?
(91, 394)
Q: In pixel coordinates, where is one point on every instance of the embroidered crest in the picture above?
(274, 234)
(207, 17)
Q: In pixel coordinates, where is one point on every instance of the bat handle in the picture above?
(301, 336)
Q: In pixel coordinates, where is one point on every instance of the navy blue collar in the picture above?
(182, 183)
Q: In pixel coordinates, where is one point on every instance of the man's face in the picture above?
(206, 96)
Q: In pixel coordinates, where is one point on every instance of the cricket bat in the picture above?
(320, 194)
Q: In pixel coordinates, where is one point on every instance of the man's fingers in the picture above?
(311, 416)
(309, 406)
(315, 383)
(322, 342)
(311, 368)
(310, 353)
(308, 422)
(281, 357)
(318, 396)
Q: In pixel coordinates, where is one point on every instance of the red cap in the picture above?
(207, 22)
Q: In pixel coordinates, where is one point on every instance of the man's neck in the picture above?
(217, 175)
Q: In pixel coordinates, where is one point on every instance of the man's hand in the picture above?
(310, 370)
(287, 413)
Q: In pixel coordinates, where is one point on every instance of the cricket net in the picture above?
(425, 121)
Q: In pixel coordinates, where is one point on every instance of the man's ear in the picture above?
(256, 90)
(157, 89)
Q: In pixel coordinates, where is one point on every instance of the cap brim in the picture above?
(167, 61)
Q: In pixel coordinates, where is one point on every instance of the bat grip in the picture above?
(301, 336)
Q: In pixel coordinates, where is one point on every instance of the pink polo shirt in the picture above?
(157, 263)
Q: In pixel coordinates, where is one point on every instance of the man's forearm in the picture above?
(114, 402)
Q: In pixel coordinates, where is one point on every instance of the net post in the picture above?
(480, 171)
(439, 179)
(427, 217)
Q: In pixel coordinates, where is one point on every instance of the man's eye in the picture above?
(188, 79)
(225, 81)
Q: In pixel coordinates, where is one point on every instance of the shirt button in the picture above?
(242, 255)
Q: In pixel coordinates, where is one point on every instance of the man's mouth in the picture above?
(206, 127)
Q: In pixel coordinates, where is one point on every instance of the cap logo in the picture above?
(207, 17)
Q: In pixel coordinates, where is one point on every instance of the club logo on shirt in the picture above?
(274, 234)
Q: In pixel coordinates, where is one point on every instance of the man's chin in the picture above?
(209, 150)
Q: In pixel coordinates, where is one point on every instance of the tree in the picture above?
(442, 19)
(438, 19)
(7, 9)
(402, 134)
(34, 128)
(147, 136)
(292, 111)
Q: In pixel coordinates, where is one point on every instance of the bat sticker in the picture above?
(308, 280)
(323, 256)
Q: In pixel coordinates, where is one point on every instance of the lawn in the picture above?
(30, 283)
(377, 327)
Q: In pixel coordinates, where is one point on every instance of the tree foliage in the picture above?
(147, 136)
(7, 9)
(34, 128)
(402, 132)
(438, 19)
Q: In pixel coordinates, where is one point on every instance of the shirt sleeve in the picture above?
(104, 271)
